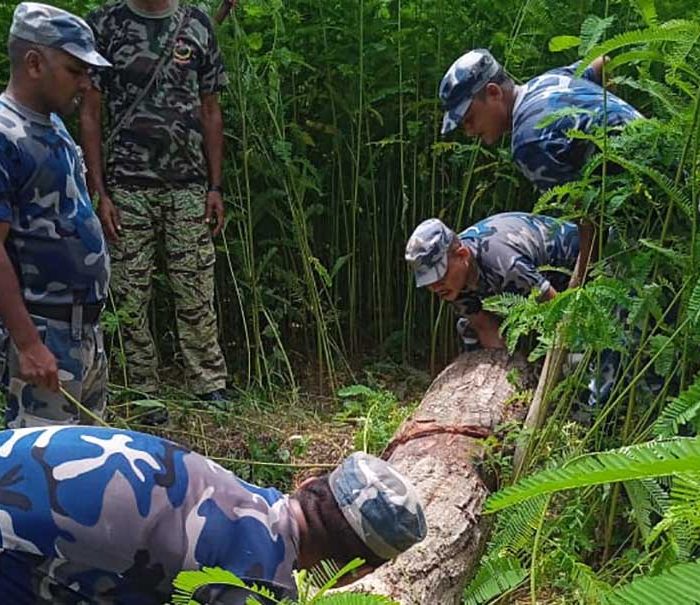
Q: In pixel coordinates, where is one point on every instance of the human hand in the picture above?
(214, 211)
(37, 365)
(109, 217)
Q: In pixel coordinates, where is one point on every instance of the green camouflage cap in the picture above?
(426, 251)
(379, 503)
(53, 27)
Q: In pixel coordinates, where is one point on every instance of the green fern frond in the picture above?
(680, 410)
(187, 583)
(680, 585)
(676, 31)
(515, 530)
(647, 9)
(677, 194)
(653, 459)
(592, 31)
(633, 56)
(642, 507)
(350, 598)
(694, 305)
(495, 576)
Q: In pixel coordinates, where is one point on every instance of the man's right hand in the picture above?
(37, 365)
(109, 217)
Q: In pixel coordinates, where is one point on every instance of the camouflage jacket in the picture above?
(546, 155)
(509, 248)
(161, 144)
(55, 240)
(105, 516)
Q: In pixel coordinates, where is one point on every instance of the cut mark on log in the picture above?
(424, 427)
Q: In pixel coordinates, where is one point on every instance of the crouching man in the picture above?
(509, 252)
(108, 516)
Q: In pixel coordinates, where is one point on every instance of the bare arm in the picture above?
(37, 363)
(224, 9)
(213, 130)
(91, 142)
(486, 327)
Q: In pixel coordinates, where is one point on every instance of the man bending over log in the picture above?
(108, 516)
(502, 253)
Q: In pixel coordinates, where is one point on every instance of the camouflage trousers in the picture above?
(82, 371)
(176, 218)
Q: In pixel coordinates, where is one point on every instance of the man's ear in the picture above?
(494, 91)
(463, 252)
(33, 63)
(307, 481)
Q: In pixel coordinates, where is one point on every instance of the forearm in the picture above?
(213, 131)
(91, 141)
(12, 309)
(486, 326)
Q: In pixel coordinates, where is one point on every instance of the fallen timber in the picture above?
(440, 449)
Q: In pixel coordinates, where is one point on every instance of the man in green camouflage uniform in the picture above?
(162, 176)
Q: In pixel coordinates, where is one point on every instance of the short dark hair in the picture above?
(17, 49)
(329, 531)
(501, 78)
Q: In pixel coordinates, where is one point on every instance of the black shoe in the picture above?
(155, 417)
(218, 399)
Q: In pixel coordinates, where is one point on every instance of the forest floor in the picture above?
(279, 441)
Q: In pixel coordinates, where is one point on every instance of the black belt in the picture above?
(91, 312)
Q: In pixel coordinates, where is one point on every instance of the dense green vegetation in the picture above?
(334, 155)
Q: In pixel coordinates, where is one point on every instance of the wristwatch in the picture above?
(215, 188)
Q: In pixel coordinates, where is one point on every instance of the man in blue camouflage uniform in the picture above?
(54, 267)
(106, 516)
(502, 253)
(162, 178)
(477, 94)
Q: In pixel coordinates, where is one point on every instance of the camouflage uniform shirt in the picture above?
(55, 240)
(509, 248)
(104, 516)
(161, 144)
(546, 155)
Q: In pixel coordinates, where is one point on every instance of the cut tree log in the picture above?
(439, 450)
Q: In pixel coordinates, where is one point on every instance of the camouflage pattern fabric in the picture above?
(161, 144)
(461, 82)
(546, 155)
(176, 217)
(509, 248)
(103, 516)
(55, 240)
(50, 26)
(426, 251)
(379, 503)
(82, 370)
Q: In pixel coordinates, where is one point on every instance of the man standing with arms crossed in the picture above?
(162, 176)
(54, 267)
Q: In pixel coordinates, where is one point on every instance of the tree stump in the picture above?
(438, 448)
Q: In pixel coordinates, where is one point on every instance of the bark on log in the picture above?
(444, 467)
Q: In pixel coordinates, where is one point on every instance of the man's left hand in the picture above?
(214, 211)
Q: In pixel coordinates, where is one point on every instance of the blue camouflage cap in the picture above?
(426, 251)
(465, 77)
(379, 503)
(53, 27)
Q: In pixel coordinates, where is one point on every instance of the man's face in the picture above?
(64, 81)
(487, 117)
(456, 276)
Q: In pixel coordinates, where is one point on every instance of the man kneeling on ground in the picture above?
(502, 253)
(108, 516)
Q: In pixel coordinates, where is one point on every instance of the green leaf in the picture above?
(560, 43)
(254, 41)
(496, 575)
(654, 459)
(680, 585)
(356, 390)
(592, 31)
